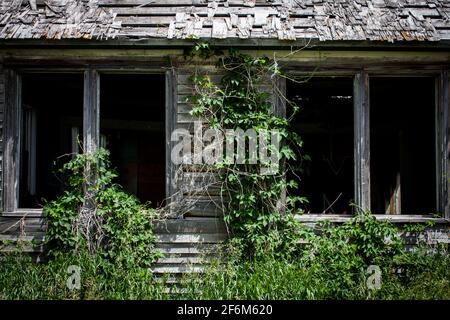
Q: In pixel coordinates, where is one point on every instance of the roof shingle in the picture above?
(383, 20)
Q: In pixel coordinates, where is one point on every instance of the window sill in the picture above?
(339, 218)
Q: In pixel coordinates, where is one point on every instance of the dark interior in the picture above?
(325, 123)
(402, 145)
(132, 109)
(52, 110)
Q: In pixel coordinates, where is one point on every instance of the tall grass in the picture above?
(21, 278)
(288, 279)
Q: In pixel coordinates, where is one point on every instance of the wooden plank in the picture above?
(205, 208)
(191, 238)
(11, 140)
(160, 21)
(19, 226)
(23, 213)
(442, 143)
(402, 219)
(203, 11)
(171, 119)
(91, 111)
(185, 78)
(177, 269)
(177, 3)
(21, 238)
(362, 140)
(188, 118)
(204, 225)
(91, 128)
(182, 260)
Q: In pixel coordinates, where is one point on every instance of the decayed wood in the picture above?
(2, 109)
(190, 225)
(442, 143)
(325, 20)
(91, 111)
(362, 140)
(171, 116)
(401, 219)
(11, 140)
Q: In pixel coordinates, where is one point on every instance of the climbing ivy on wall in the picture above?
(259, 208)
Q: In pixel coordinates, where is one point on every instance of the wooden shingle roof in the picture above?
(384, 20)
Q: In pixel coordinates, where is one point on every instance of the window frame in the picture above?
(361, 110)
(91, 122)
(361, 77)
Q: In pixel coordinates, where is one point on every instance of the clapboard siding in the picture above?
(198, 192)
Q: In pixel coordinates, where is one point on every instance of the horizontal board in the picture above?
(188, 248)
(185, 79)
(21, 238)
(188, 118)
(155, 21)
(189, 226)
(155, 3)
(203, 11)
(177, 269)
(191, 238)
(182, 260)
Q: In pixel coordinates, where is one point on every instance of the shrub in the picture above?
(97, 215)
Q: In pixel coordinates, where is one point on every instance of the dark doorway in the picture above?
(403, 169)
(325, 123)
(132, 113)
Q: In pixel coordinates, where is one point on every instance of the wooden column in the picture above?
(11, 141)
(442, 143)
(91, 132)
(362, 140)
(91, 111)
(171, 119)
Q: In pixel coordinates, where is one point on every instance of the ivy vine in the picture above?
(259, 208)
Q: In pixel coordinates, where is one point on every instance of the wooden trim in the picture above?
(280, 103)
(23, 212)
(383, 217)
(171, 118)
(91, 111)
(12, 140)
(280, 111)
(442, 143)
(362, 140)
(267, 43)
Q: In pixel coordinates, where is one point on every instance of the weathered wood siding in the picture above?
(196, 189)
(199, 187)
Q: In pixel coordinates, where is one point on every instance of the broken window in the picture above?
(132, 122)
(402, 156)
(325, 123)
(51, 124)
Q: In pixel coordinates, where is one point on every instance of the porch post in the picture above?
(362, 140)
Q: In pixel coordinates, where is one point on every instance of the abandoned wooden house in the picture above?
(375, 111)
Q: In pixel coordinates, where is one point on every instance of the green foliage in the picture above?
(259, 222)
(21, 278)
(116, 223)
(333, 266)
